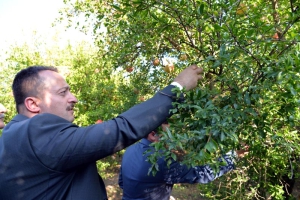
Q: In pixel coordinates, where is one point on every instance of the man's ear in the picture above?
(31, 104)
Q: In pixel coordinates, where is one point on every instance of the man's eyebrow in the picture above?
(64, 88)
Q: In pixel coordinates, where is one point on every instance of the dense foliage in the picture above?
(250, 53)
(250, 94)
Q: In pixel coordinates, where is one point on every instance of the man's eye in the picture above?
(63, 92)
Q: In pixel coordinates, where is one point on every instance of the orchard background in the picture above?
(250, 53)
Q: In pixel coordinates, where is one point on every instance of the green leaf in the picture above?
(247, 98)
(117, 7)
(174, 157)
(154, 16)
(211, 146)
(200, 9)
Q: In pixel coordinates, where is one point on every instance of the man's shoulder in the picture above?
(134, 148)
(20, 117)
(44, 116)
(43, 121)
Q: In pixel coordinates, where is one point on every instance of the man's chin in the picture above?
(68, 118)
(71, 119)
(1, 124)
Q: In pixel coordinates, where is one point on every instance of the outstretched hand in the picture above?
(242, 152)
(189, 77)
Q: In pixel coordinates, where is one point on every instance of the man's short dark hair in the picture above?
(27, 83)
(165, 122)
(156, 130)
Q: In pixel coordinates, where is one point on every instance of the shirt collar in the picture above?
(145, 141)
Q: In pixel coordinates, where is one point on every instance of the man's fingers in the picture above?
(189, 77)
(200, 77)
(199, 70)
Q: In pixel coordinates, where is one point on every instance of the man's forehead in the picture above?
(49, 74)
(53, 79)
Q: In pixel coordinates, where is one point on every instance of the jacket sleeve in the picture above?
(61, 145)
(179, 173)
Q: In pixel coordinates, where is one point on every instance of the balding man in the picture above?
(43, 155)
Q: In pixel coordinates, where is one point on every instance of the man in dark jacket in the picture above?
(43, 155)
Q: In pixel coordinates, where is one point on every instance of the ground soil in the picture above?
(180, 191)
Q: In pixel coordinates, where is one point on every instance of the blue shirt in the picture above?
(138, 185)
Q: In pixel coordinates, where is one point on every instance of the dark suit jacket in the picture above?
(47, 157)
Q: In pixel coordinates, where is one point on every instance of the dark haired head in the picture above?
(157, 129)
(27, 83)
(165, 122)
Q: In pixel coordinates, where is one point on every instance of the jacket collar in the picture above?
(19, 118)
(145, 141)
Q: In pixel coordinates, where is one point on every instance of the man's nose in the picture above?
(73, 99)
